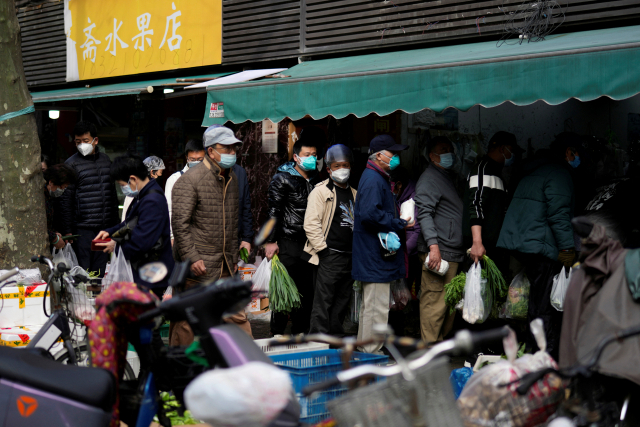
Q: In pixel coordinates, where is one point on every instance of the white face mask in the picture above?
(86, 148)
(341, 175)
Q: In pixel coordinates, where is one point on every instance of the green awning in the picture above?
(584, 65)
(128, 88)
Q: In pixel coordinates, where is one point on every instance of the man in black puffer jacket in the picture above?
(288, 193)
(91, 204)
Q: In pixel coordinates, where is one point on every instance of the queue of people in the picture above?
(327, 233)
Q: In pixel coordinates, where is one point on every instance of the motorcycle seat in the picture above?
(93, 386)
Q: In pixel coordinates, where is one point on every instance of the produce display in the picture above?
(283, 293)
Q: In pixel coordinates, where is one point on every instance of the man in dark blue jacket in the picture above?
(378, 258)
(150, 239)
(245, 218)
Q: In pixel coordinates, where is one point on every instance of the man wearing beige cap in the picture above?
(205, 219)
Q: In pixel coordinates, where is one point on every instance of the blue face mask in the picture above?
(389, 241)
(508, 162)
(394, 161)
(575, 162)
(446, 160)
(308, 163)
(128, 192)
(226, 160)
(193, 164)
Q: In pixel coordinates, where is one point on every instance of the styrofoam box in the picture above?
(485, 358)
(13, 337)
(289, 348)
(32, 314)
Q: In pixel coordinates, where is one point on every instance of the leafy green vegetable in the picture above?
(454, 291)
(244, 255)
(283, 293)
(495, 281)
(171, 406)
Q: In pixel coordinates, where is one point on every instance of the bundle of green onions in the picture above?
(497, 285)
(283, 293)
(454, 291)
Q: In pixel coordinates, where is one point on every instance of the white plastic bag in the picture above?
(119, 271)
(477, 298)
(168, 293)
(559, 290)
(261, 278)
(252, 394)
(408, 210)
(65, 255)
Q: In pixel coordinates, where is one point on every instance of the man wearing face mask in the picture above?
(440, 216)
(205, 220)
(486, 200)
(155, 166)
(378, 257)
(288, 193)
(328, 223)
(91, 204)
(194, 154)
(537, 230)
(58, 178)
(148, 240)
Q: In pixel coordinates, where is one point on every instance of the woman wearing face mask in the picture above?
(149, 239)
(58, 178)
(328, 224)
(155, 166)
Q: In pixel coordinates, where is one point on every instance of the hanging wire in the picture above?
(478, 23)
(531, 21)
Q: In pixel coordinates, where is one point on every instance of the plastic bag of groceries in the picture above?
(559, 290)
(400, 295)
(65, 255)
(261, 279)
(490, 397)
(517, 303)
(477, 297)
(248, 395)
(119, 271)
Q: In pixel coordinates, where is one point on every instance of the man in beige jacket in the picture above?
(328, 224)
(205, 220)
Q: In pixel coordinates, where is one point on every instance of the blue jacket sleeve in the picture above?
(373, 214)
(152, 214)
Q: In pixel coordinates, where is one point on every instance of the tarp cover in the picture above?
(582, 65)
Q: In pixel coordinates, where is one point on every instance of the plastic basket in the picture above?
(312, 367)
(289, 348)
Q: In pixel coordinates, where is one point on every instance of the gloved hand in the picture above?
(566, 258)
(390, 241)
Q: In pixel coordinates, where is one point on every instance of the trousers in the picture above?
(88, 259)
(435, 320)
(374, 311)
(302, 274)
(332, 293)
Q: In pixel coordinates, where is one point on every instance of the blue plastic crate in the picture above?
(312, 367)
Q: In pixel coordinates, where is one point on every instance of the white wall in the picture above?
(540, 121)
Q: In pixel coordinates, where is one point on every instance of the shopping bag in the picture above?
(559, 290)
(400, 294)
(356, 302)
(261, 279)
(477, 298)
(517, 303)
(119, 271)
(65, 255)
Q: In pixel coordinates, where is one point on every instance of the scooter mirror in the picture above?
(264, 232)
(153, 272)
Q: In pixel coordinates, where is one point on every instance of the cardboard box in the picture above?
(257, 306)
(22, 305)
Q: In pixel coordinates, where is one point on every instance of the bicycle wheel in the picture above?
(82, 355)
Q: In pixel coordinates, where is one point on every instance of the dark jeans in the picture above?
(333, 290)
(88, 259)
(540, 271)
(302, 274)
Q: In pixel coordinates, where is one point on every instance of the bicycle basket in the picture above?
(389, 403)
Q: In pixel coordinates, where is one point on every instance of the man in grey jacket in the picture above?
(440, 215)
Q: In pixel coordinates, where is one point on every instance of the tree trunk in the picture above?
(23, 224)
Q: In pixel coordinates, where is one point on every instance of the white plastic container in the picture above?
(444, 267)
(30, 312)
(408, 210)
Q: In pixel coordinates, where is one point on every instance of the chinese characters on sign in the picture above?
(121, 37)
